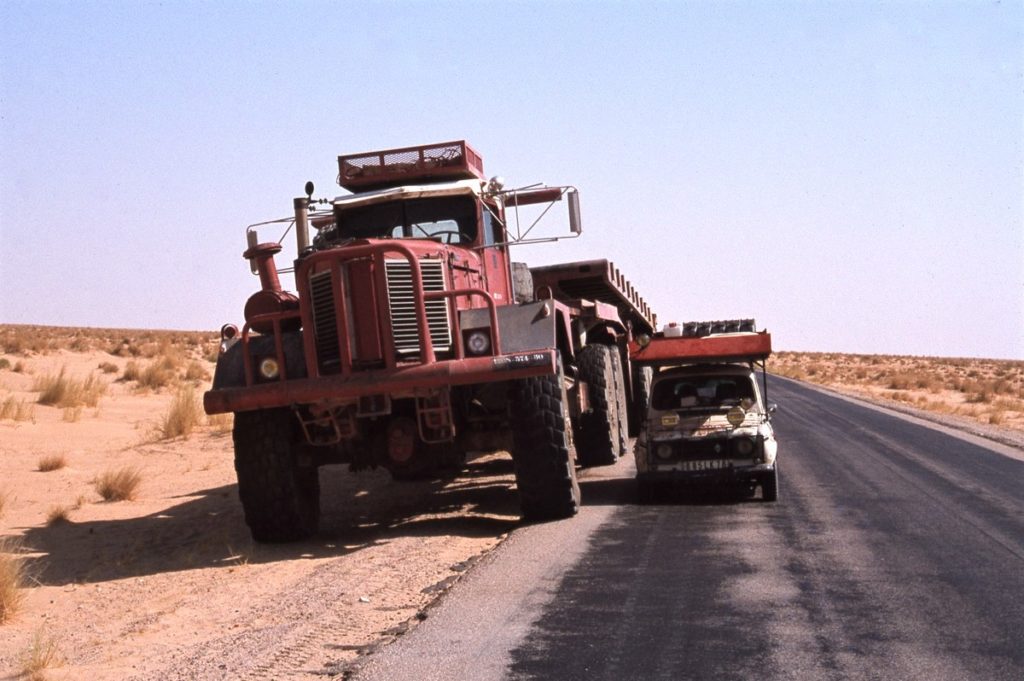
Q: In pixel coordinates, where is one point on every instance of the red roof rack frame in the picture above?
(394, 167)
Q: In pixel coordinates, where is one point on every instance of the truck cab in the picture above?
(707, 421)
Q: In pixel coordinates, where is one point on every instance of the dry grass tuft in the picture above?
(42, 654)
(72, 414)
(5, 363)
(221, 423)
(19, 367)
(12, 578)
(195, 371)
(16, 410)
(58, 514)
(107, 367)
(52, 462)
(119, 485)
(132, 372)
(62, 391)
(159, 374)
(183, 417)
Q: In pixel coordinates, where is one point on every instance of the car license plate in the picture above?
(707, 465)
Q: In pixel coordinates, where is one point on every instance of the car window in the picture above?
(701, 392)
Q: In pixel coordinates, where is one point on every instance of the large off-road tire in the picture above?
(770, 485)
(281, 499)
(599, 438)
(621, 404)
(542, 448)
(642, 379)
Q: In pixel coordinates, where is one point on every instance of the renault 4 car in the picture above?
(707, 422)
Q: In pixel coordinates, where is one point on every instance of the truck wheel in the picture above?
(281, 499)
(642, 377)
(599, 441)
(541, 448)
(770, 485)
(621, 405)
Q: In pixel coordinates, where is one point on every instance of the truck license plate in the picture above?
(708, 465)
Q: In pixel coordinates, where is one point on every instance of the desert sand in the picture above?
(168, 585)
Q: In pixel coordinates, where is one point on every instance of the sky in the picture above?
(850, 174)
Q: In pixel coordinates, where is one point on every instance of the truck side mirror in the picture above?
(575, 222)
(251, 239)
(772, 408)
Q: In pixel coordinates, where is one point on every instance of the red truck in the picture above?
(413, 339)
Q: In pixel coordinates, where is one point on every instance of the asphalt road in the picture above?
(896, 551)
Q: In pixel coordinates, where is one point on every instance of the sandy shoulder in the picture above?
(169, 585)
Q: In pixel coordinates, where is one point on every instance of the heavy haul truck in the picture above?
(413, 339)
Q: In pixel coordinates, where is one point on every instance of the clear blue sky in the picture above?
(848, 173)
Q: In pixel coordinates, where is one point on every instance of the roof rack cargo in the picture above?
(701, 342)
(408, 165)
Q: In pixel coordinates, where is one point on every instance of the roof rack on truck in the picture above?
(685, 344)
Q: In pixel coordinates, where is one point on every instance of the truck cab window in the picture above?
(450, 219)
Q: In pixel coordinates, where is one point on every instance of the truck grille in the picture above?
(403, 306)
(325, 326)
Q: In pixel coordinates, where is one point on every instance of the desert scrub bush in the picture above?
(16, 410)
(196, 371)
(19, 367)
(183, 416)
(42, 654)
(52, 462)
(63, 391)
(159, 374)
(5, 363)
(119, 485)
(131, 372)
(108, 367)
(12, 578)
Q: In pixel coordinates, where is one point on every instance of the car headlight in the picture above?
(744, 446)
(478, 342)
(663, 450)
(269, 368)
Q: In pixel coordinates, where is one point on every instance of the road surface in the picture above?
(896, 551)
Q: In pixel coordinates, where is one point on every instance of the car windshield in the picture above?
(451, 219)
(702, 393)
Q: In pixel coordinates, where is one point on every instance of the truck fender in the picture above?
(531, 326)
(230, 371)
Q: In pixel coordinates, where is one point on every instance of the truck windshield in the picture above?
(451, 219)
(702, 392)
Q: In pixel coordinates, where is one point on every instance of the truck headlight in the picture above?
(664, 450)
(478, 342)
(269, 368)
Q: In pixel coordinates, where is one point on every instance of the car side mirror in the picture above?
(772, 408)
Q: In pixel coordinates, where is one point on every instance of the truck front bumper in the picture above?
(381, 382)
